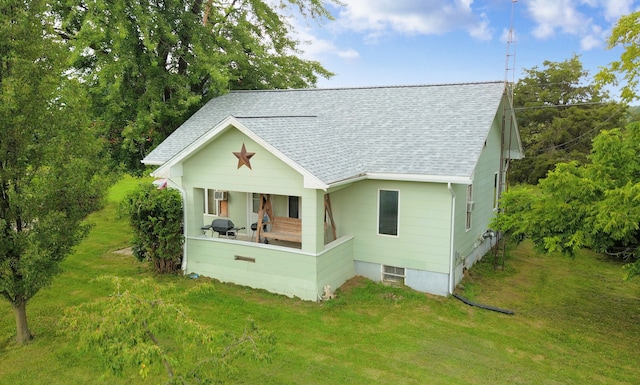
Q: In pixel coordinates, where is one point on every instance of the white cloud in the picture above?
(594, 39)
(349, 54)
(580, 18)
(316, 48)
(553, 15)
(616, 8)
(413, 17)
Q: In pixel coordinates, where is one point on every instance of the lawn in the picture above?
(576, 321)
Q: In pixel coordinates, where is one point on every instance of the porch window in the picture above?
(388, 203)
(255, 204)
(211, 205)
(294, 207)
(215, 204)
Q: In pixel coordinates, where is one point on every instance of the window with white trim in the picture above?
(393, 274)
(470, 206)
(211, 205)
(495, 191)
(255, 202)
(388, 209)
(294, 207)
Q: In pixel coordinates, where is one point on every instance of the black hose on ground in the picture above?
(486, 307)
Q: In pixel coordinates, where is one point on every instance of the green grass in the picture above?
(576, 321)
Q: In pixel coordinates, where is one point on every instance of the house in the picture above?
(390, 183)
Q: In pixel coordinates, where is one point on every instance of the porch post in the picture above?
(312, 221)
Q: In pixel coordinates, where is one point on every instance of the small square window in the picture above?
(393, 274)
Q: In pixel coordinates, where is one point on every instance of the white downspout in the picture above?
(451, 238)
(183, 194)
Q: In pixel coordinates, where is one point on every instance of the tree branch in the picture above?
(153, 338)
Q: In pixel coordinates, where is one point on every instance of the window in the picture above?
(294, 207)
(210, 203)
(255, 204)
(388, 212)
(495, 191)
(393, 274)
(470, 206)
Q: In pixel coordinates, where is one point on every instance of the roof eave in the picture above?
(405, 178)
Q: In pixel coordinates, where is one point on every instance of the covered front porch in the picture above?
(283, 220)
(285, 244)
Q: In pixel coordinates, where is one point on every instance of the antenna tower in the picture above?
(507, 125)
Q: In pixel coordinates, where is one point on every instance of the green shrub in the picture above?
(156, 217)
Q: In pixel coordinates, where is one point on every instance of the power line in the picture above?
(560, 105)
(596, 128)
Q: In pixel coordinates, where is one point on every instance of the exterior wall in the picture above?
(281, 270)
(423, 242)
(275, 269)
(470, 245)
(215, 167)
(294, 272)
(335, 264)
(421, 280)
(422, 247)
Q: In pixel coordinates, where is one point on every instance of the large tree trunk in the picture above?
(22, 329)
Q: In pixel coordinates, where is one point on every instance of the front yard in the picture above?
(576, 321)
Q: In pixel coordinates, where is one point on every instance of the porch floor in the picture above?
(251, 238)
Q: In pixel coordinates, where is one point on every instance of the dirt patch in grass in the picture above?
(125, 251)
(351, 284)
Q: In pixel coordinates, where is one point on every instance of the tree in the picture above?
(595, 205)
(150, 64)
(50, 167)
(626, 34)
(147, 328)
(559, 112)
(156, 216)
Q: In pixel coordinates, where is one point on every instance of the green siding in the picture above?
(276, 269)
(466, 241)
(215, 166)
(423, 240)
(424, 230)
(335, 265)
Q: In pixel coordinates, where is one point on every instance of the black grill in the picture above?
(223, 227)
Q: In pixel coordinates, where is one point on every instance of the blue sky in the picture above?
(399, 42)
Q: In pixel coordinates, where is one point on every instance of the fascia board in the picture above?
(164, 170)
(408, 178)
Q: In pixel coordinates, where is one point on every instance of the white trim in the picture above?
(452, 238)
(152, 162)
(420, 178)
(208, 203)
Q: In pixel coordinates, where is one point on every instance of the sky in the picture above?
(405, 42)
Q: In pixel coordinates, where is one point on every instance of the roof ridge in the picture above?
(367, 87)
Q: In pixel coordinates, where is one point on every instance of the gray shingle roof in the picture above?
(336, 134)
